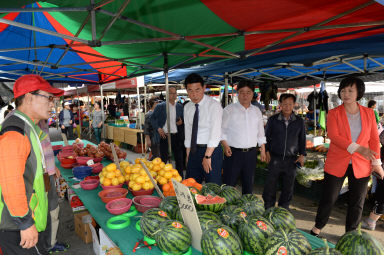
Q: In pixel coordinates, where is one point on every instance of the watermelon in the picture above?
(249, 198)
(151, 220)
(194, 191)
(254, 232)
(208, 219)
(287, 242)
(221, 240)
(178, 216)
(210, 188)
(170, 206)
(230, 208)
(173, 237)
(209, 203)
(359, 242)
(253, 208)
(280, 218)
(233, 219)
(231, 194)
(325, 250)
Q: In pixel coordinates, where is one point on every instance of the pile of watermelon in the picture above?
(232, 223)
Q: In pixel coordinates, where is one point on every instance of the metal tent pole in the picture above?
(226, 88)
(102, 109)
(139, 126)
(167, 106)
(314, 107)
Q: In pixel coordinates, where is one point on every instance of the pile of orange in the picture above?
(168, 189)
(190, 182)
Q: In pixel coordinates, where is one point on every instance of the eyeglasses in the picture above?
(50, 98)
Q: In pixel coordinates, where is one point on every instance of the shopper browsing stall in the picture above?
(202, 116)
(285, 133)
(160, 126)
(149, 132)
(66, 120)
(354, 152)
(242, 130)
(97, 121)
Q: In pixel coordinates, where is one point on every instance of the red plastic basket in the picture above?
(119, 206)
(108, 195)
(146, 202)
(111, 187)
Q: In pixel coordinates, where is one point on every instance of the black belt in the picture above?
(201, 145)
(243, 149)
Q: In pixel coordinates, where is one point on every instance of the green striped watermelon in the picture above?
(230, 208)
(209, 203)
(359, 242)
(211, 189)
(178, 216)
(194, 191)
(151, 220)
(254, 232)
(249, 198)
(280, 218)
(221, 240)
(170, 206)
(253, 208)
(287, 242)
(231, 194)
(233, 219)
(173, 237)
(325, 250)
(208, 219)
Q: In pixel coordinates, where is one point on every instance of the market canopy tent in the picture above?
(103, 41)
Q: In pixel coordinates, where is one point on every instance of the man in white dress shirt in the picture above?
(242, 130)
(202, 117)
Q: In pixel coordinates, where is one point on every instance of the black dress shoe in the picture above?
(313, 233)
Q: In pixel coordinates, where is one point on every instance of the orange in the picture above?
(156, 161)
(168, 167)
(166, 187)
(107, 182)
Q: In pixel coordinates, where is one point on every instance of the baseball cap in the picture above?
(32, 82)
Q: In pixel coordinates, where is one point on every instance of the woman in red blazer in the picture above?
(354, 152)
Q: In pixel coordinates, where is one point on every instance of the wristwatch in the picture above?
(207, 157)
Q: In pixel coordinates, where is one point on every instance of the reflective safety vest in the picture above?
(33, 175)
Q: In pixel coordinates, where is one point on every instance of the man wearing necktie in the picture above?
(202, 117)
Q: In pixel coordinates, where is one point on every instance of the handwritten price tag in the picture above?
(188, 211)
(90, 162)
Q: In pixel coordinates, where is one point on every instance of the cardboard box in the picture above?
(82, 227)
(75, 203)
(105, 245)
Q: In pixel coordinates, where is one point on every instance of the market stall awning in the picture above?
(74, 41)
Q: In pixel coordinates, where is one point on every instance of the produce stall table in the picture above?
(126, 238)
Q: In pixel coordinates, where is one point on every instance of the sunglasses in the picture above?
(50, 98)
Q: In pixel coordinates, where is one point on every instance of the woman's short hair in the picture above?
(371, 103)
(348, 82)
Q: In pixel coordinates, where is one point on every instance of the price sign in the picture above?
(90, 162)
(188, 211)
(64, 136)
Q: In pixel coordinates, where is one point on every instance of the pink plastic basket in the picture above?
(89, 184)
(112, 187)
(146, 202)
(119, 206)
(82, 160)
